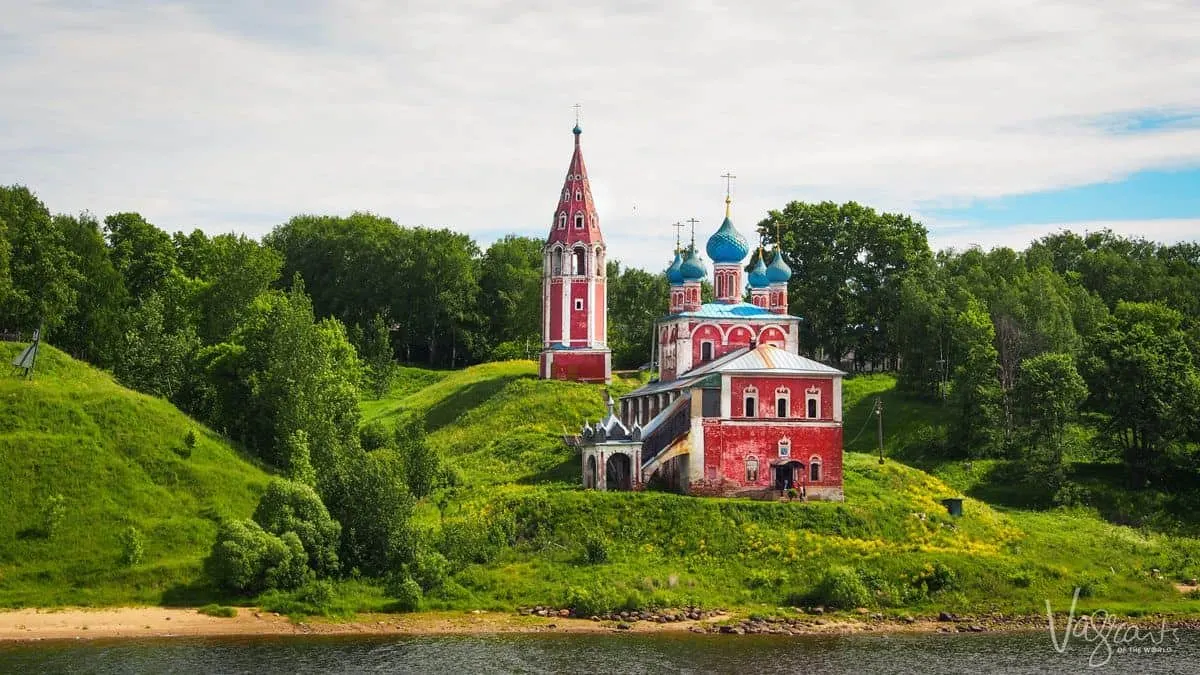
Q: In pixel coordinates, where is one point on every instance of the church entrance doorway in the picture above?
(617, 473)
(785, 475)
(589, 473)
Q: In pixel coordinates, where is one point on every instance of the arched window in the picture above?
(812, 403)
(599, 263)
(751, 401)
(578, 195)
(557, 267)
(783, 399)
(785, 447)
(579, 221)
(706, 351)
(751, 469)
(814, 469)
(579, 261)
(562, 221)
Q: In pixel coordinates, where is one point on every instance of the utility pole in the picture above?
(879, 425)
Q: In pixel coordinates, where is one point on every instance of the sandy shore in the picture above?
(130, 622)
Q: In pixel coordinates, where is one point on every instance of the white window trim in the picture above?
(750, 394)
(579, 221)
(578, 304)
(712, 350)
(785, 394)
(747, 463)
(815, 462)
(809, 396)
(562, 220)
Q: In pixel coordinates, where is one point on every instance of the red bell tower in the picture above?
(574, 289)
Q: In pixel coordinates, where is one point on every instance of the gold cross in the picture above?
(728, 182)
(577, 108)
(693, 221)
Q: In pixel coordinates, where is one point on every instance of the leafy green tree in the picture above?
(510, 290)
(421, 462)
(369, 496)
(289, 506)
(238, 270)
(1048, 394)
(94, 327)
(41, 270)
(375, 349)
(298, 459)
(636, 299)
(976, 392)
(154, 358)
(247, 559)
(142, 253)
(1143, 377)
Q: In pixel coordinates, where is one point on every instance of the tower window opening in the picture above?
(578, 196)
(706, 351)
(558, 261)
(578, 303)
(579, 261)
(750, 402)
(562, 221)
(579, 221)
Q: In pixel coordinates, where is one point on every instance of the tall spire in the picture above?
(575, 219)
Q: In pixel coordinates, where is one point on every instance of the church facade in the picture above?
(735, 410)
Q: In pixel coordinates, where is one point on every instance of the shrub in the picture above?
(132, 546)
(589, 602)
(429, 569)
(315, 597)
(935, 577)
(288, 506)
(477, 539)
(595, 548)
(407, 593)
(841, 587)
(54, 510)
(1072, 494)
(375, 436)
(246, 558)
(370, 499)
(189, 439)
(218, 610)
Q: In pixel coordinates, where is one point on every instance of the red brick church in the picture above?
(734, 409)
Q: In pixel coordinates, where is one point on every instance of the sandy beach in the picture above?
(132, 622)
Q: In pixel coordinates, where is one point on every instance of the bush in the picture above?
(429, 569)
(370, 499)
(247, 559)
(375, 436)
(935, 577)
(288, 506)
(314, 598)
(54, 510)
(595, 548)
(218, 610)
(1072, 494)
(132, 546)
(477, 539)
(189, 444)
(841, 587)
(407, 593)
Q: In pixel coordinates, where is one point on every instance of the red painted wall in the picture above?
(599, 306)
(766, 395)
(740, 334)
(727, 446)
(556, 311)
(579, 317)
(577, 366)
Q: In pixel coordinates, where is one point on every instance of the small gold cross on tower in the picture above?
(728, 190)
(577, 108)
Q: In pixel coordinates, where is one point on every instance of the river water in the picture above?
(618, 653)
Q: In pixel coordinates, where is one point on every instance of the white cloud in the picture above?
(1017, 237)
(459, 115)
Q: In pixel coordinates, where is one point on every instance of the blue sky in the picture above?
(993, 123)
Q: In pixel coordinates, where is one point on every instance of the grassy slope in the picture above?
(110, 453)
(501, 429)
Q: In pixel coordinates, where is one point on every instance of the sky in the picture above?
(991, 123)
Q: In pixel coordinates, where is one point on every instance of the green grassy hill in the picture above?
(116, 457)
(501, 428)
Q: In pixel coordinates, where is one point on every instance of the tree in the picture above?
(375, 349)
(288, 506)
(1143, 377)
(976, 391)
(369, 496)
(421, 462)
(236, 271)
(247, 559)
(42, 274)
(510, 289)
(1048, 395)
(142, 253)
(155, 359)
(94, 328)
(636, 299)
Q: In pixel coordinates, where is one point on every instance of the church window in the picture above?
(750, 401)
(578, 303)
(785, 447)
(782, 402)
(579, 261)
(579, 221)
(752, 469)
(706, 351)
(599, 263)
(558, 261)
(562, 221)
(814, 469)
(812, 403)
(578, 196)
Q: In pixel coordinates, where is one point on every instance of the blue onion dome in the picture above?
(693, 268)
(674, 273)
(727, 244)
(758, 274)
(778, 271)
